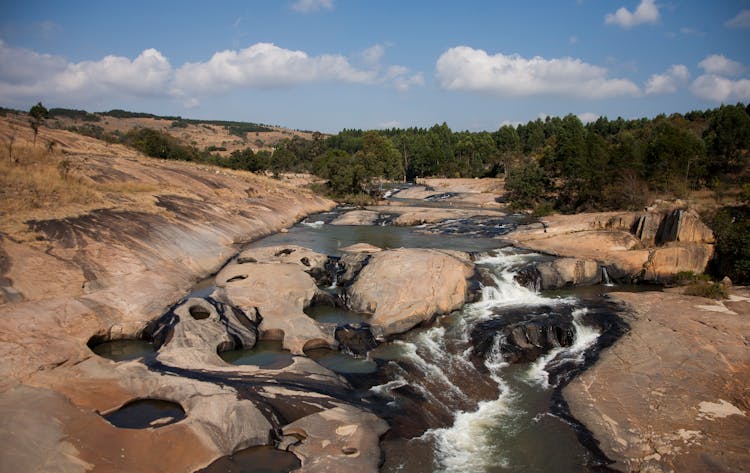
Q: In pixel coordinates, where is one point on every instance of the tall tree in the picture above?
(38, 114)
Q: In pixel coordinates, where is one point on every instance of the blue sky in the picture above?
(332, 64)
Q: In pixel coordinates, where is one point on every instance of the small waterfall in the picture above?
(470, 444)
(585, 336)
(605, 277)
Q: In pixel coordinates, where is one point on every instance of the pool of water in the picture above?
(340, 362)
(124, 350)
(255, 460)
(145, 413)
(329, 239)
(267, 354)
(328, 314)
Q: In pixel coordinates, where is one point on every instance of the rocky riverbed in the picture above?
(651, 382)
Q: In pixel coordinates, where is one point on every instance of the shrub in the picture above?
(713, 290)
(731, 225)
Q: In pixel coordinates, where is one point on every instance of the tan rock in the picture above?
(357, 217)
(361, 248)
(405, 287)
(338, 439)
(672, 394)
(569, 271)
(279, 292)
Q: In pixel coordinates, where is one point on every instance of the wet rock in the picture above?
(356, 338)
(523, 337)
(405, 287)
(352, 264)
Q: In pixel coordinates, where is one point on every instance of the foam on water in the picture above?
(468, 444)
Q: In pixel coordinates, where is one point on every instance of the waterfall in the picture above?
(605, 277)
(470, 444)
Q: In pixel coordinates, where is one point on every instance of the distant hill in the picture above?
(216, 136)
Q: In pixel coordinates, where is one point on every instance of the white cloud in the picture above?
(307, 6)
(720, 89)
(29, 75)
(588, 117)
(373, 55)
(646, 12)
(473, 70)
(719, 64)
(390, 124)
(741, 20)
(669, 81)
(265, 65)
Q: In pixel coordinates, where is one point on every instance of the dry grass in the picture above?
(37, 181)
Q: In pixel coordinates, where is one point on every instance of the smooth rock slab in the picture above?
(405, 287)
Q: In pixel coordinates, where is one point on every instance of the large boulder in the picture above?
(357, 217)
(405, 287)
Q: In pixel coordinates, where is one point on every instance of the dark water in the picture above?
(329, 239)
(255, 460)
(124, 350)
(327, 314)
(267, 354)
(341, 362)
(145, 413)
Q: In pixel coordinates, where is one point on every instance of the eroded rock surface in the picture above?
(632, 246)
(672, 394)
(357, 217)
(405, 287)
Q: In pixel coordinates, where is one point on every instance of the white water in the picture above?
(315, 224)
(468, 445)
(585, 337)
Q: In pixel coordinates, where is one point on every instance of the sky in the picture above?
(331, 64)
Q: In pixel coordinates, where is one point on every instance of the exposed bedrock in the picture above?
(672, 395)
(632, 246)
(405, 287)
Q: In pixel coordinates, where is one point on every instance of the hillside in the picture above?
(217, 136)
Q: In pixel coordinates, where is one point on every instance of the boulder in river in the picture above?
(405, 287)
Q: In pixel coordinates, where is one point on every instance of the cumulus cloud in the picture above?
(646, 12)
(28, 75)
(669, 81)
(265, 65)
(720, 65)
(474, 70)
(720, 89)
(741, 20)
(715, 86)
(307, 6)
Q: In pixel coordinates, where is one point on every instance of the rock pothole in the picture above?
(146, 413)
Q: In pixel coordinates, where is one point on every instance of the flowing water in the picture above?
(451, 408)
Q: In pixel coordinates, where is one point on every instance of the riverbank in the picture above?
(105, 268)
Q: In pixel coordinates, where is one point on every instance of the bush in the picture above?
(687, 277)
(714, 290)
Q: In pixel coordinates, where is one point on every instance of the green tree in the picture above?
(527, 185)
(728, 139)
(38, 114)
